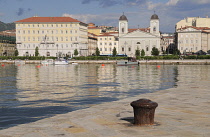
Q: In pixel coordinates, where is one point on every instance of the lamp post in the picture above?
(125, 47)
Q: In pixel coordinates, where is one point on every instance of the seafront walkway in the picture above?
(183, 111)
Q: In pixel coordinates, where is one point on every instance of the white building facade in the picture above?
(193, 39)
(106, 43)
(54, 36)
(146, 39)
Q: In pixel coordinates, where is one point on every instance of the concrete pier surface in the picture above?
(182, 112)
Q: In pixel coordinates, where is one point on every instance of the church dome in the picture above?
(154, 17)
(123, 17)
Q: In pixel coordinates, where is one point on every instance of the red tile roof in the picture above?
(197, 28)
(93, 27)
(49, 19)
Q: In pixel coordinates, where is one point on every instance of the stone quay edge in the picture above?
(147, 62)
(182, 111)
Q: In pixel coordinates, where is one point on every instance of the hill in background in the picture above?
(6, 26)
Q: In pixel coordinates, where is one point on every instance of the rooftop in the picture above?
(48, 19)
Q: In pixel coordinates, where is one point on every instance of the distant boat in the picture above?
(61, 61)
(19, 62)
(125, 63)
(47, 62)
(74, 63)
(131, 61)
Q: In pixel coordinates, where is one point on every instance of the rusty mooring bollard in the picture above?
(144, 111)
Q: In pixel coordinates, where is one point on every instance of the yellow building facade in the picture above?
(54, 36)
(93, 29)
(193, 21)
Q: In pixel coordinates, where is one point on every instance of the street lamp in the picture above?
(125, 46)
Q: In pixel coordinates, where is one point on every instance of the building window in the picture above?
(105, 49)
(100, 43)
(123, 30)
(100, 49)
(154, 29)
(122, 49)
(129, 49)
(147, 49)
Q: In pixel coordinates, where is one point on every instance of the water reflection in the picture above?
(29, 93)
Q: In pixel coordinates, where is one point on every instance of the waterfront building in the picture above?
(167, 43)
(94, 29)
(132, 39)
(7, 43)
(92, 44)
(193, 21)
(193, 39)
(106, 43)
(54, 36)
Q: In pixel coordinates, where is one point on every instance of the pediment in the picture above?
(139, 34)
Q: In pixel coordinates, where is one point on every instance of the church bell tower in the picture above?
(154, 25)
(123, 25)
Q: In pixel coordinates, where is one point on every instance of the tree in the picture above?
(97, 52)
(155, 51)
(16, 52)
(76, 52)
(137, 52)
(36, 51)
(114, 52)
(142, 53)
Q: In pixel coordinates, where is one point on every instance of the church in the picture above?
(132, 39)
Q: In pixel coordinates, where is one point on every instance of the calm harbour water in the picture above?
(29, 93)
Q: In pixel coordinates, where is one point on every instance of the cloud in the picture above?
(135, 2)
(169, 11)
(105, 19)
(22, 11)
(103, 3)
(172, 2)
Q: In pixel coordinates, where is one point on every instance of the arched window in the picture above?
(138, 43)
(147, 49)
(48, 53)
(154, 29)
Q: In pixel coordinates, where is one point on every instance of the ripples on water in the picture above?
(29, 93)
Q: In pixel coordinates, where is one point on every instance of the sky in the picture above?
(107, 12)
